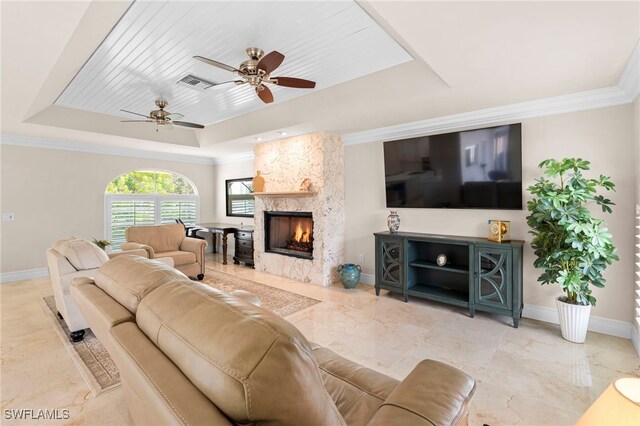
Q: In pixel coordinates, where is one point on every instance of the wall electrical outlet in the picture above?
(361, 257)
(8, 217)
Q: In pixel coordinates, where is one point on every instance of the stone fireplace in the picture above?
(300, 235)
(289, 233)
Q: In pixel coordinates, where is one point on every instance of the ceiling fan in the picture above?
(162, 117)
(257, 70)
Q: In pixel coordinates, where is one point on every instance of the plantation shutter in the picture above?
(241, 204)
(126, 213)
(185, 210)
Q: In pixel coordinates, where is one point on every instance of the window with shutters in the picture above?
(146, 197)
(240, 197)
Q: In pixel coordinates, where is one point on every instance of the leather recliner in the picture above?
(70, 258)
(190, 354)
(169, 241)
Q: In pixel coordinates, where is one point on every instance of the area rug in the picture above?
(99, 370)
(92, 359)
(281, 302)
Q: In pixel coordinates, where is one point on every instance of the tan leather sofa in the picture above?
(169, 241)
(71, 258)
(190, 354)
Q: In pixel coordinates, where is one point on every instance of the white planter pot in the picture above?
(574, 320)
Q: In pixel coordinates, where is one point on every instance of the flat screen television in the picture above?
(471, 169)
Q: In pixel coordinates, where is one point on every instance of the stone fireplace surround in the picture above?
(284, 164)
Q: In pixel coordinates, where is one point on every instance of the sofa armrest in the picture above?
(128, 246)
(81, 281)
(197, 246)
(432, 394)
(194, 245)
(137, 252)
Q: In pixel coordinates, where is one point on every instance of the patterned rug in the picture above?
(91, 358)
(99, 370)
(281, 302)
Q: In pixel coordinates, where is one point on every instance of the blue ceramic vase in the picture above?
(349, 274)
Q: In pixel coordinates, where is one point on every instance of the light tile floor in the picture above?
(525, 376)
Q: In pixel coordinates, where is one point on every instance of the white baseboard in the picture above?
(29, 274)
(635, 339)
(542, 313)
(597, 324)
(368, 279)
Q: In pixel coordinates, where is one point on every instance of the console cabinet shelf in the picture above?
(479, 274)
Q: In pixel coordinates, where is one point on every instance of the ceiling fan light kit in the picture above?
(162, 118)
(256, 71)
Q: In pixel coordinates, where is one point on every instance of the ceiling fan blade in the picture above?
(264, 94)
(298, 83)
(186, 124)
(135, 113)
(217, 64)
(270, 62)
(174, 116)
(137, 121)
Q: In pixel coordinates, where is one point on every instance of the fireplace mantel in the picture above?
(285, 194)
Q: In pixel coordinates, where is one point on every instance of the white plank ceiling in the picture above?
(151, 48)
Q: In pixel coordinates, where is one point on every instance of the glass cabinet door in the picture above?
(493, 277)
(390, 267)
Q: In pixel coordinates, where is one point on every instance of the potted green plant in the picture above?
(572, 246)
(103, 244)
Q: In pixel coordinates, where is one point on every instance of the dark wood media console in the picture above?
(479, 274)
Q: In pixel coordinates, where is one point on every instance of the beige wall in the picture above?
(222, 172)
(56, 193)
(603, 136)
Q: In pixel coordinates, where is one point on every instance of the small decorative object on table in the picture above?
(393, 221)
(103, 244)
(349, 274)
(258, 182)
(305, 185)
(441, 260)
(499, 230)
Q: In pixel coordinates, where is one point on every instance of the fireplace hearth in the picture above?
(289, 233)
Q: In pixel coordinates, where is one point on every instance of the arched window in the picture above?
(147, 197)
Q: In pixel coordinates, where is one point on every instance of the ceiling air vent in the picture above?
(195, 82)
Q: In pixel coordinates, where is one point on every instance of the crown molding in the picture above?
(600, 98)
(245, 156)
(630, 79)
(625, 92)
(49, 143)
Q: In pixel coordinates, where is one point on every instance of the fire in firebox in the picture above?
(301, 238)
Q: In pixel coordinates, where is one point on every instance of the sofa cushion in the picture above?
(82, 254)
(253, 365)
(179, 257)
(161, 237)
(128, 278)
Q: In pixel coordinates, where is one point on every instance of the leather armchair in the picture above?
(169, 241)
(86, 257)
